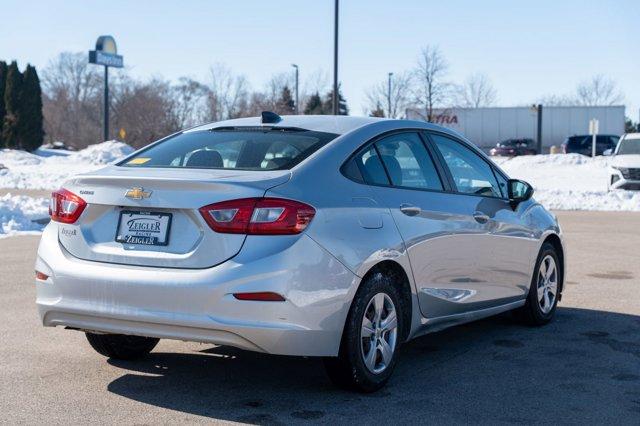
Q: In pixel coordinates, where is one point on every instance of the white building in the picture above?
(486, 126)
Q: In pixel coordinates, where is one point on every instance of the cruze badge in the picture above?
(137, 193)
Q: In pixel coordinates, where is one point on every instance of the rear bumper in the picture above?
(198, 305)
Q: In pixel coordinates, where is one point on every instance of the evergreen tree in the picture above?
(314, 105)
(30, 133)
(3, 111)
(12, 94)
(286, 104)
(343, 109)
(378, 112)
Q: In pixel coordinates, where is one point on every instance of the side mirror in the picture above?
(519, 191)
(608, 152)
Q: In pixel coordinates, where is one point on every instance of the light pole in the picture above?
(106, 54)
(335, 60)
(297, 108)
(389, 95)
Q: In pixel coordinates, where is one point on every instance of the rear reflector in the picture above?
(41, 276)
(258, 216)
(263, 296)
(65, 206)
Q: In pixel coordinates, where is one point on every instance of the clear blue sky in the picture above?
(528, 49)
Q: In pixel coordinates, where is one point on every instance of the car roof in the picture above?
(337, 124)
(631, 136)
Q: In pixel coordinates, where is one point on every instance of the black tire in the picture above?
(348, 370)
(532, 313)
(120, 346)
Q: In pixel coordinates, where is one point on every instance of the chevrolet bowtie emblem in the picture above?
(137, 193)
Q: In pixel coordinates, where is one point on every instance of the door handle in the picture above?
(410, 210)
(481, 217)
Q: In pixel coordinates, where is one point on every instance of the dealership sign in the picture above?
(106, 53)
(445, 119)
(107, 59)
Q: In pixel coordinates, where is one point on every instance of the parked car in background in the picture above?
(58, 145)
(513, 147)
(625, 165)
(581, 144)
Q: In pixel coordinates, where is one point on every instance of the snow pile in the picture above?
(570, 182)
(102, 153)
(13, 157)
(20, 214)
(558, 199)
(28, 171)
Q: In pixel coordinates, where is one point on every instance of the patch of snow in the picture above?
(20, 215)
(102, 153)
(29, 171)
(14, 157)
(570, 182)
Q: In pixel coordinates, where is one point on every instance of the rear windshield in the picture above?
(576, 140)
(243, 149)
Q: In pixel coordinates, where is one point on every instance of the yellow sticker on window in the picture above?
(139, 160)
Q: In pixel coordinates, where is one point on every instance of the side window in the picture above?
(408, 162)
(367, 167)
(503, 184)
(471, 173)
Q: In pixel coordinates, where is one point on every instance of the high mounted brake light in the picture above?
(65, 206)
(258, 216)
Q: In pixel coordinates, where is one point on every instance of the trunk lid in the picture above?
(177, 193)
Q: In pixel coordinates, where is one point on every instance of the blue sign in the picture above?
(107, 59)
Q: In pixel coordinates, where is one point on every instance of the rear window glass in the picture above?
(576, 141)
(244, 149)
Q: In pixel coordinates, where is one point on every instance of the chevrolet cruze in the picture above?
(335, 237)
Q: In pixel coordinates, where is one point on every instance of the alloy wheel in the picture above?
(379, 333)
(547, 284)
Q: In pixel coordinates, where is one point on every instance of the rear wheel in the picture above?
(120, 346)
(371, 338)
(542, 300)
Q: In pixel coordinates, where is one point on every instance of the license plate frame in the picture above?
(141, 236)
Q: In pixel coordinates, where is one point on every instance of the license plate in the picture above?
(145, 228)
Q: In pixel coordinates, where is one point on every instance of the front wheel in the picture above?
(120, 346)
(371, 338)
(544, 291)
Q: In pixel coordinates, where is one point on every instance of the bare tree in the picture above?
(600, 90)
(189, 100)
(146, 110)
(72, 94)
(476, 92)
(557, 100)
(227, 97)
(432, 90)
(380, 98)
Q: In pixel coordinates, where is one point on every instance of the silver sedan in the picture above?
(337, 237)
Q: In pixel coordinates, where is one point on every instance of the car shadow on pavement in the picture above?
(584, 365)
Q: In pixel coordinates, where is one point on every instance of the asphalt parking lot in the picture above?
(582, 368)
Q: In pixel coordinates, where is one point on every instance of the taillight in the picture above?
(258, 216)
(65, 206)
